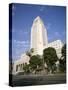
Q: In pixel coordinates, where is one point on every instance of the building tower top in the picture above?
(37, 18)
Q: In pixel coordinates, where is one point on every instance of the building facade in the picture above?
(39, 39)
(38, 36)
(57, 45)
(18, 64)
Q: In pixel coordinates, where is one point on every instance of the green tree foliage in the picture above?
(50, 57)
(35, 62)
(26, 68)
(63, 59)
(64, 52)
(28, 53)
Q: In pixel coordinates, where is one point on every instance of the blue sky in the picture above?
(54, 18)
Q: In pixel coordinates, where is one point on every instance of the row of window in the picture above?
(19, 67)
(55, 45)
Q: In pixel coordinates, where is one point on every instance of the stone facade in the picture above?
(18, 64)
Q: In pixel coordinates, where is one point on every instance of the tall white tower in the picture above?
(38, 36)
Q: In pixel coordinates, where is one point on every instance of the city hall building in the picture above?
(39, 41)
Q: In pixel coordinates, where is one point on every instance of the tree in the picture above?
(29, 53)
(50, 57)
(26, 68)
(32, 50)
(62, 65)
(35, 62)
(63, 51)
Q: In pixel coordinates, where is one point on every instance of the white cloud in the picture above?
(13, 7)
(54, 36)
(22, 44)
(50, 38)
(49, 25)
(20, 31)
(64, 32)
(42, 8)
(23, 31)
(13, 10)
(57, 34)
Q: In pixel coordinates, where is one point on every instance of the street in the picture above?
(27, 80)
